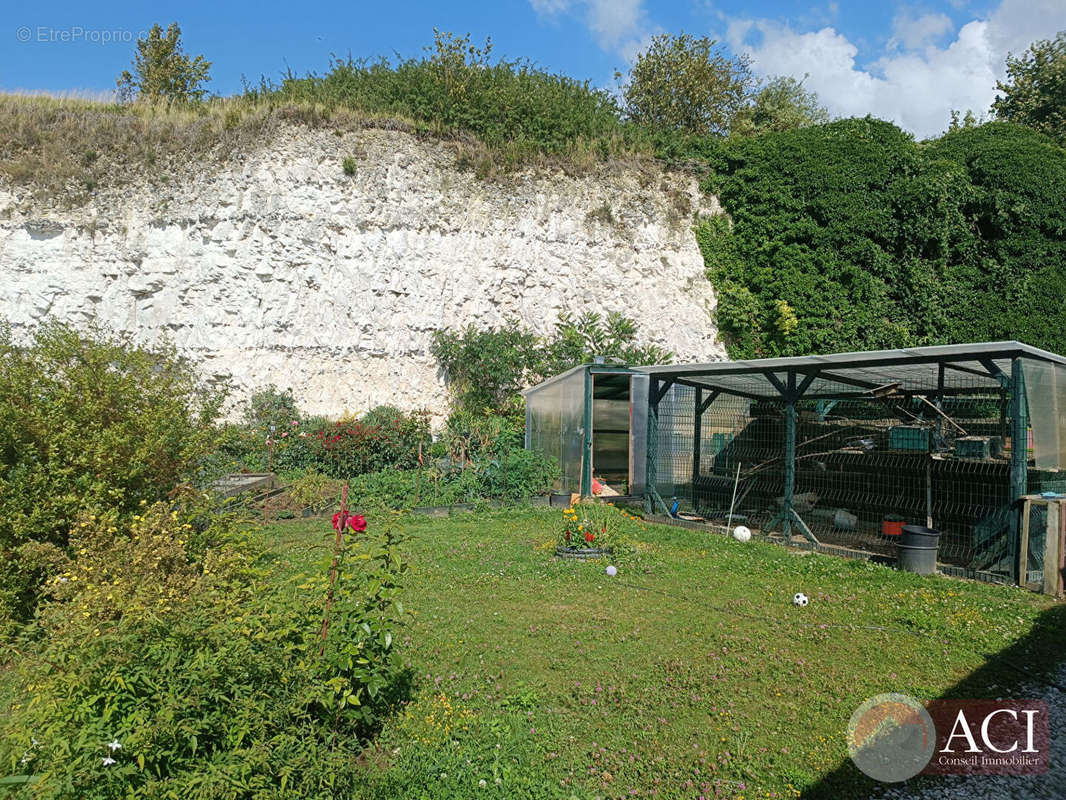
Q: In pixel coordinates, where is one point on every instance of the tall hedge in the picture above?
(852, 236)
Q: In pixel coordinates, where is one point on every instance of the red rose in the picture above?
(357, 522)
(589, 536)
(338, 521)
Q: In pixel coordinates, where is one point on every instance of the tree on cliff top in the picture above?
(687, 84)
(1035, 92)
(163, 71)
(782, 104)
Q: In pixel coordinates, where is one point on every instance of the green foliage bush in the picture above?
(1010, 272)
(486, 368)
(163, 71)
(458, 87)
(513, 475)
(269, 407)
(781, 105)
(307, 488)
(851, 236)
(688, 84)
(88, 424)
(203, 677)
(383, 438)
(1035, 91)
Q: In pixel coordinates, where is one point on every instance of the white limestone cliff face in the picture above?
(276, 267)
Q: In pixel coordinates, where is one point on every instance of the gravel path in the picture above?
(1049, 786)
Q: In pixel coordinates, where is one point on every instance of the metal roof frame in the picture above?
(946, 369)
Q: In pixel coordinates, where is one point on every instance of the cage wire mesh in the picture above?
(863, 467)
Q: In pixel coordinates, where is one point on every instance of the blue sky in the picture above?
(906, 61)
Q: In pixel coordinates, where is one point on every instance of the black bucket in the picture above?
(917, 549)
(559, 500)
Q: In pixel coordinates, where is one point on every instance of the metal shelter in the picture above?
(834, 445)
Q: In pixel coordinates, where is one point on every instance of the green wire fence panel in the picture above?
(864, 466)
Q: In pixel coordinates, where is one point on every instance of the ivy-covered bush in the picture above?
(88, 424)
(851, 236)
(155, 673)
(1010, 276)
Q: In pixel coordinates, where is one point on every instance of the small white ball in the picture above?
(742, 533)
(800, 599)
(611, 571)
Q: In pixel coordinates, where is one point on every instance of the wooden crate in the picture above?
(1050, 579)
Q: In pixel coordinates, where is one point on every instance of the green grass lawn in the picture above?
(689, 673)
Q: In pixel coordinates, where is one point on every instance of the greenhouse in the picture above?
(592, 420)
(841, 450)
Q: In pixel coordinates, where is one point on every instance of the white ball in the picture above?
(742, 533)
(611, 571)
(800, 599)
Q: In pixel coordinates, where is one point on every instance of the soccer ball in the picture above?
(800, 599)
(742, 533)
(611, 571)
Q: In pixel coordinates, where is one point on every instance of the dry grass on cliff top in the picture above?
(64, 149)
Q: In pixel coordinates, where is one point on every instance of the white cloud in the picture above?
(549, 7)
(614, 21)
(621, 26)
(913, 32)
(916, 87)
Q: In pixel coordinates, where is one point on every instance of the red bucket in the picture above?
(892, 526)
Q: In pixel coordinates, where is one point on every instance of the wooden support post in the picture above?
(1019, 459)
(1053, 545)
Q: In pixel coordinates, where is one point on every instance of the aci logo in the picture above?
(892, 737)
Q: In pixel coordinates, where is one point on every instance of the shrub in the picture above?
(850, 236)
(89, 424)
(162, 70)
(389, 440)
(459, 87)
(160, 675)
(687, 83)
(1035, 92)
(469, 436)
(272, 407)
(513, 475)
(384, 438)
(308, 488)
(486, 369)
